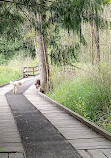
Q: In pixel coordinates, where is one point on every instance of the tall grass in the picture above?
(88, 94)
(8, 74)
(13, 70)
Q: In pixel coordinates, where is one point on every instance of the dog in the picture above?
(15, 84)
(38, 86)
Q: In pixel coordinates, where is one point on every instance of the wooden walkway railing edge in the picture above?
(30, 71)
(83, 120)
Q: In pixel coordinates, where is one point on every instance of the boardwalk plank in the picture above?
(3, 155)
(6, 116)
(4, 110)
(107, 152)
(3, 100)
(47, 108)
(96, 154)
(16, 155)
(67, 122)
(40, 103)
(11, 147)
(83, 154)
(51, 111)
(64, 125)
(95, 143)
(6, 124)
(80, 135)
(9, 138)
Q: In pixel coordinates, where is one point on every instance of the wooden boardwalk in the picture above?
(10, 143)
(87, 142)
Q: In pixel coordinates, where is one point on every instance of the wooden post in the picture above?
(23, 74)
(33, 71)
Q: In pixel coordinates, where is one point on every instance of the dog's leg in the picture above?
(14, 90)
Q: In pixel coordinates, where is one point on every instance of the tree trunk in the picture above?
(95, 37)
(97, 40)
(35, 43)
(92, 52)
(42, 57)
(46, 59)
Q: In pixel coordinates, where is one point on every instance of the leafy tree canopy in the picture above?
(10, 20)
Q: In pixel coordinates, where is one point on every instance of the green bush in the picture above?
(2, 59)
